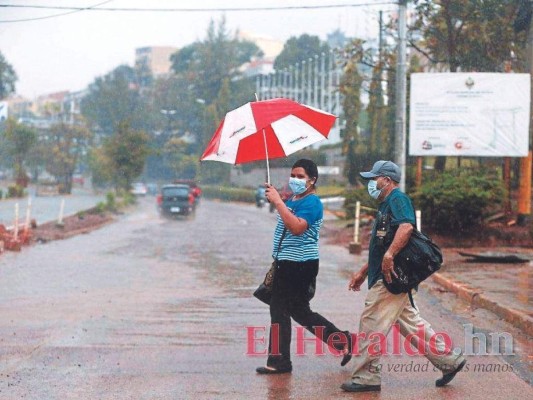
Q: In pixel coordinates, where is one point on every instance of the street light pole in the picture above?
(401, 93)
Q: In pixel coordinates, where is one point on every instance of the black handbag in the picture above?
(264, 291)
(419, 259)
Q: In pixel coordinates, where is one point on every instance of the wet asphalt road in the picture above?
(148, 308)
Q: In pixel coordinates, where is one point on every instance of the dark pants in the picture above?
(290, 299)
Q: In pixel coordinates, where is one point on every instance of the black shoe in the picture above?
(356, 387)
(447, 378)
(348, 356)
(270, 370)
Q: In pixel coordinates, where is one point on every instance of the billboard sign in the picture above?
(469, 114)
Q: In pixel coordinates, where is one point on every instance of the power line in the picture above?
(74, 10)
(220, 9)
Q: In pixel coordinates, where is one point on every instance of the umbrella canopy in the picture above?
(267, 129)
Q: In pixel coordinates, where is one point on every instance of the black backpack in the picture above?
(419, 259)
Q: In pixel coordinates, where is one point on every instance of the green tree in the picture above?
(63, 149)
(298, 49)
(8, 77)
(350, 87)
(473, 35)
(113, 98)
(126, 152)
(379, 144)
(179, 158)
(100, 166)
(216, 172)
(206, 85)
(207, 63)
(17, 142)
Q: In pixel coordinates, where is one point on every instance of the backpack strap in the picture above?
(411, 299)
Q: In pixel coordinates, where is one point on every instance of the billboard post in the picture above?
(524, 190)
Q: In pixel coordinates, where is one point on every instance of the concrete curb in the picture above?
(478, 299)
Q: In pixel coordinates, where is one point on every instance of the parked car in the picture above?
(175, 200)
(139, 189)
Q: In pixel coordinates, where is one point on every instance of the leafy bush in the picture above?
(100, 208)
(330, 191)
(456, 202)
(352, 196)
(229, 193)
(111, 203)
(128, 198)
(15, 191)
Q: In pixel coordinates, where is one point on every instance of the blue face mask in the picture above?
(373, 190)
(297, 185)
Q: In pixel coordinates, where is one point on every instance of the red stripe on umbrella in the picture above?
(252, 148)
(266, 112)
(285, 125)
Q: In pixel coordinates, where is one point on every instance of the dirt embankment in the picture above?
(72, 225)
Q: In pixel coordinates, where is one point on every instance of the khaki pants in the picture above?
(382, 310)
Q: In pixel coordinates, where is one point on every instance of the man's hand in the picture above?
(387, 267)
(272, 194)
(357, 280)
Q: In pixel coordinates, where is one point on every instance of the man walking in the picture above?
(382, 308)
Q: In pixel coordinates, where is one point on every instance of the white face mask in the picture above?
(373, 190)
(297, 185)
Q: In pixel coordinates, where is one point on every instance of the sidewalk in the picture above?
(504, 289)
(45, 209)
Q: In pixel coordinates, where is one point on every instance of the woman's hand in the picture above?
(272, 194)
(358, 278)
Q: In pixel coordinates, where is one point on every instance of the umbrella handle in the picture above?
(266, 153)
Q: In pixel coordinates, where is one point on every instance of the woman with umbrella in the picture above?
(296, 249)
(275, 128)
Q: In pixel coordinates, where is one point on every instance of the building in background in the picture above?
(265, 64)
(19, 106)
(72, 105)
(153, 62)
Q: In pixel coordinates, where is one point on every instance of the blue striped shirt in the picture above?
(302, 247)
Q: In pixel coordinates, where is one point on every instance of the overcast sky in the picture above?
(67, 52)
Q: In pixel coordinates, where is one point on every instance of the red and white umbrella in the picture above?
(267, 129)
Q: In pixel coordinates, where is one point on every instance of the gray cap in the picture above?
(383, 168)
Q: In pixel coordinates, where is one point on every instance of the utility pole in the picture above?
(401, 92)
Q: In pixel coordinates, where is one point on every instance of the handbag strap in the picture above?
(280, 240)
